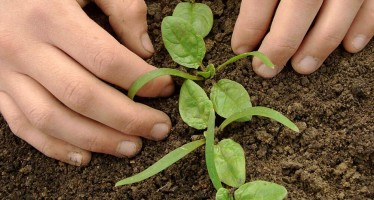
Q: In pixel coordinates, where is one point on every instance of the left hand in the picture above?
(301, 30)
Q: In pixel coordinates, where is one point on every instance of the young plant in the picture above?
(183, 34)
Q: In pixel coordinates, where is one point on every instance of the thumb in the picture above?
(129, 20)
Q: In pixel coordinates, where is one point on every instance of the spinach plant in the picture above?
(183, 34)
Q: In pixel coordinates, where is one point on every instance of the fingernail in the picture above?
(242, 49)
(266, 71)
(75, 158)
(160, 131)
(146, 42)
(359, 42)
(168, 90)
(127, 148)
(308, 64)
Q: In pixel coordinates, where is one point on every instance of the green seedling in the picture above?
(183, 35)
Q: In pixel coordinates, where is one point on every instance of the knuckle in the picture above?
(41, 116)
(48, 148)
(9, 42)
(131, 125)
(288, 45)
(103, 59)
(77, 94)
(16, 124)
(331, 40)
(93, 144)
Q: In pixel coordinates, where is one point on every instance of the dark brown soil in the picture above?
(332, 157)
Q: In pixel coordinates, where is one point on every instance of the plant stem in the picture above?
(209, 152)
(202, 66)
(257, 54)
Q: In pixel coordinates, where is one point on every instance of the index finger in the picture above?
(100, 53)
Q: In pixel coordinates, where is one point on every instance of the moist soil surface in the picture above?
(331, 158)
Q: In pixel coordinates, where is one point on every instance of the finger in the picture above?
(362, 29)
(96, 50)
(252, 24)
(326, 35)
(85, 94)
(49, 116)
(129, 20)
(83, 3)
(290, 24)
(49, 146)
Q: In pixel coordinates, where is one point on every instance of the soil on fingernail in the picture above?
(331, 158)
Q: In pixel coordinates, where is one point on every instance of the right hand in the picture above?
(53, 59)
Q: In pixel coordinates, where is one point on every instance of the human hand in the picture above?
(308, 31)
(52, 57)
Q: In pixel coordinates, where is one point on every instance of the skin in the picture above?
(303, 32)
(53, 59)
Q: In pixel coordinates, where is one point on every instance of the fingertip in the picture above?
(129, 22)
(83, 3)
(168, 89)
(160, 130)
(147, 45)
(264, 71)
(356, 43)
(128, 148)
(77, 157)
(306, 65)
(160, 87)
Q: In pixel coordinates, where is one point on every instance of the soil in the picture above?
(331, 158)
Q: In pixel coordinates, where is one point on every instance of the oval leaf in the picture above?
(224, 194)
(183, 44)
(194, 105)
(259, 190)
(230, 162)
(229, 97)
(199, 15)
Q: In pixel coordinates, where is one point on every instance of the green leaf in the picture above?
(209, 151)
(260, 111)
(199, 15)
(163, 163)
(144, 79)
(209, 72)
(264, 59)
(230, 162)
(260, 190)
(229, 97)
(224, 194)
(183, 44)
(194, 105)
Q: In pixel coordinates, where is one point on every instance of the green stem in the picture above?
(202, 67)
(163, 163)
(209, 152)
(144, 79)
(257, 54)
